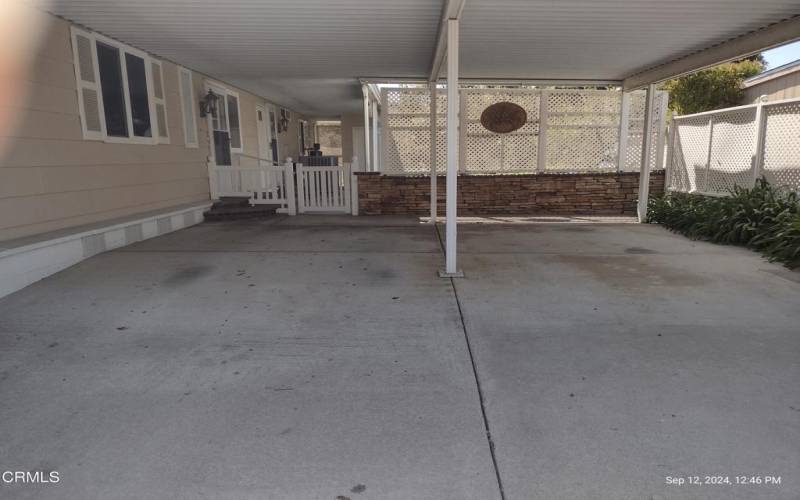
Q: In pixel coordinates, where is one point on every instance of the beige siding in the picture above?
(782, 87)
(349, 121)
(51, 178)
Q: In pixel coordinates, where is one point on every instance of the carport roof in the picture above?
(309, 54)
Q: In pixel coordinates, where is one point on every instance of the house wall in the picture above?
(587, 194)
(783, 87)
(349, 121)
(51, 178)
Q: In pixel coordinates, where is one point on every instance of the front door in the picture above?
(220, 130)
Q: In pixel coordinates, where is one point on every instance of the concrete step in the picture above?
(238, 208)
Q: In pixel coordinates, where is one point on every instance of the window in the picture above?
(121, 91)
(113, 92)
(233, 122)
(187, 107)
(139, 99)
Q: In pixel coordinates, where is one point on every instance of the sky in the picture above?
(782, 55)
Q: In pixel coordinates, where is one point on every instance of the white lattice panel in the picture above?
(633, 153)
(485, 152)
(713, 152)
(690, 154)
(781, 164)
(731, 151)
(582, 130)
(405, 115)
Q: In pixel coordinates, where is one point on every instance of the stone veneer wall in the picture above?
(612, 193)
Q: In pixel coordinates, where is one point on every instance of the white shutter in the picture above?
(162, 131)
(187, 107)
(87, 75)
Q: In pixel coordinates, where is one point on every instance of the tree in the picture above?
(714, 88)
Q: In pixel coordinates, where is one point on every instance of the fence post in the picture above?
(710, 149)
(354, 186)
(541, 160)
(670, 152)
(624, 120)
(761, 132)
(288, 176)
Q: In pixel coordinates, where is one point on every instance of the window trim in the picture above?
(186, 71)
(160, 100)
(235, 94)
(123, 50)
(224, 91)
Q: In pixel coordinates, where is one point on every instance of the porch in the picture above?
(320, 357)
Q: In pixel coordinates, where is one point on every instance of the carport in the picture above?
(319, 62)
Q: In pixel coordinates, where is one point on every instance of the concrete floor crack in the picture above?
(486, 427)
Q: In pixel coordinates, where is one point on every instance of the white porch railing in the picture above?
(263, 182)
(711, 152)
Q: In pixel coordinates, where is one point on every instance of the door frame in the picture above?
(262, 137)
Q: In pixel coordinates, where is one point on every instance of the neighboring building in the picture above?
(782, 82)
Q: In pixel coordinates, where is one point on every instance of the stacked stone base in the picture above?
(614, 193)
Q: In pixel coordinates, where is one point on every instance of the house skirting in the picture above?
(613, 193)
(25, 261)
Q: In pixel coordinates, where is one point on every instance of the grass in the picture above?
(764, 218)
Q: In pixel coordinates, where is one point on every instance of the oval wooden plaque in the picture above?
(503, 117)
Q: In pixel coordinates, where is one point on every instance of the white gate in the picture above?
(323, 189)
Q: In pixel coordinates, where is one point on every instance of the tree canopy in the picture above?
(714, 88)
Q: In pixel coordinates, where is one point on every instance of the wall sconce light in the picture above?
(208, 104)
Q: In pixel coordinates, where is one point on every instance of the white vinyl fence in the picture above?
(566, 131)
(294, 187)
(710, 153)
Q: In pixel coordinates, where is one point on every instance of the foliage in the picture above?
(714, 88)
(764, 218)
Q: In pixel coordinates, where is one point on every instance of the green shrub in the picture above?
(764, 218)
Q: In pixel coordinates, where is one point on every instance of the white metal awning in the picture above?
(309, 54)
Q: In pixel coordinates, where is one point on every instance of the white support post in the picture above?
(541, 160)
(647, 147)
(662, 131)
(354, 167)
(375, 148)
(434, 193)
(365, 91)
(624, 124)
(451, 269)
(758, 146)
(288, 176)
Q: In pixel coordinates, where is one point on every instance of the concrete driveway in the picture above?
(321, 358)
